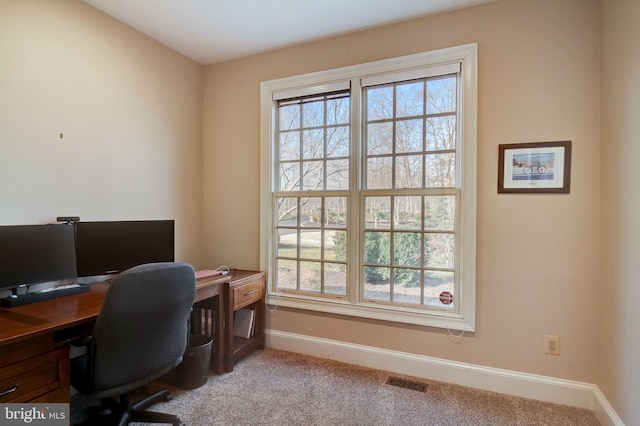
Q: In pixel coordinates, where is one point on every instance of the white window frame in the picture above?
(463, 318)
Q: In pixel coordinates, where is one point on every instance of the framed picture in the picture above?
(541, 167)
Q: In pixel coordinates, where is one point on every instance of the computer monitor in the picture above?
(32, 254)
(106, 248)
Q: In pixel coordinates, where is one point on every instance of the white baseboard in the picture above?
(542, 388)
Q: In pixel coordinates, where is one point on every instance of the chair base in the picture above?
(137, 411)
(110, 412)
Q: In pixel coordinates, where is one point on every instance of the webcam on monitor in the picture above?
(68, 219)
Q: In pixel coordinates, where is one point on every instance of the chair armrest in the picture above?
(85, 341)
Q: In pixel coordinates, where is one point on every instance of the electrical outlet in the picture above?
(552, 345)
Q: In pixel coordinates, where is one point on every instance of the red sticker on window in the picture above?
(446, 298)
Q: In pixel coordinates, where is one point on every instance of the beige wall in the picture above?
(619, 292)
(130, 111)
(537, 254)
(134, 135)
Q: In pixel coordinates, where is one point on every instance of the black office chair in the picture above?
(140, 335)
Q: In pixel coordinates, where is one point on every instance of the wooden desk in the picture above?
(34, 351)
(245, 289)
(215, 317)
(34, 355)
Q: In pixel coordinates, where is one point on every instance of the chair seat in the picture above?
(79, 371)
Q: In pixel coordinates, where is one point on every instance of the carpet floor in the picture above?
(273, 387)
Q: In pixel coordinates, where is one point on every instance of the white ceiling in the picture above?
(210, 31)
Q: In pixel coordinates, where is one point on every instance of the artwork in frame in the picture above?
(539, 167)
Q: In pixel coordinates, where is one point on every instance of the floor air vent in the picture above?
(407, 384)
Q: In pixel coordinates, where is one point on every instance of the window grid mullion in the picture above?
(324, 158)
(299, 242)
(423, 177)
(301, 155)
(423, 219)
(394, 136)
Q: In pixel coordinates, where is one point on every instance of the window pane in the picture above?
(337, 174)
(312, 176)
(439, 250)
(287, 274)
(409, 171)
(310, 245)
(287, 211)
(289, 176)
(336, 245)
(305, 140)
(335, 279)
(377, 250)
(310, 276)
(409, 136)
(335, 212)
(440, 170)
(289, 146)
(313, 143)
(406, 249)
(338, 141)
(311, 233)
(406, 286)
(287, 243)
(338, 110)
(379, 138)
(289, 117)
(379, 103)
(440, 213)
(417, 134)
(436, 282)
(311, 212)
(441, 133)
(312, 230)
(379, 173)
(441, 95)
(408, 212)
(313, 113)
(377, 212)
(377, 285)
(410, 99)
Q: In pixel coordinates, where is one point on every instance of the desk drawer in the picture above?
(247, 294)
(30, 379)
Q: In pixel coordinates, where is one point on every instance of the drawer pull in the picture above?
(249, 292)
(8, 391)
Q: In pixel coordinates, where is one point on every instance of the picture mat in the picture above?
(517, 159)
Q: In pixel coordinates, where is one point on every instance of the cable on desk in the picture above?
(224, 270)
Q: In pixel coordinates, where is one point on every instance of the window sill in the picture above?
(444, 319)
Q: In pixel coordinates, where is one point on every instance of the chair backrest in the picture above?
(142, 328)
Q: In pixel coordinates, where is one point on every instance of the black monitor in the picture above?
(32, 254)
(105, 248)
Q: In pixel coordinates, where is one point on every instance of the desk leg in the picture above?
(217, 364)
(228, 329)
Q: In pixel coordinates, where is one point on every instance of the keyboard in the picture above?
(46, 294)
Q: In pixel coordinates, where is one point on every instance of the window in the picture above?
(312, 156)
(368, 189)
